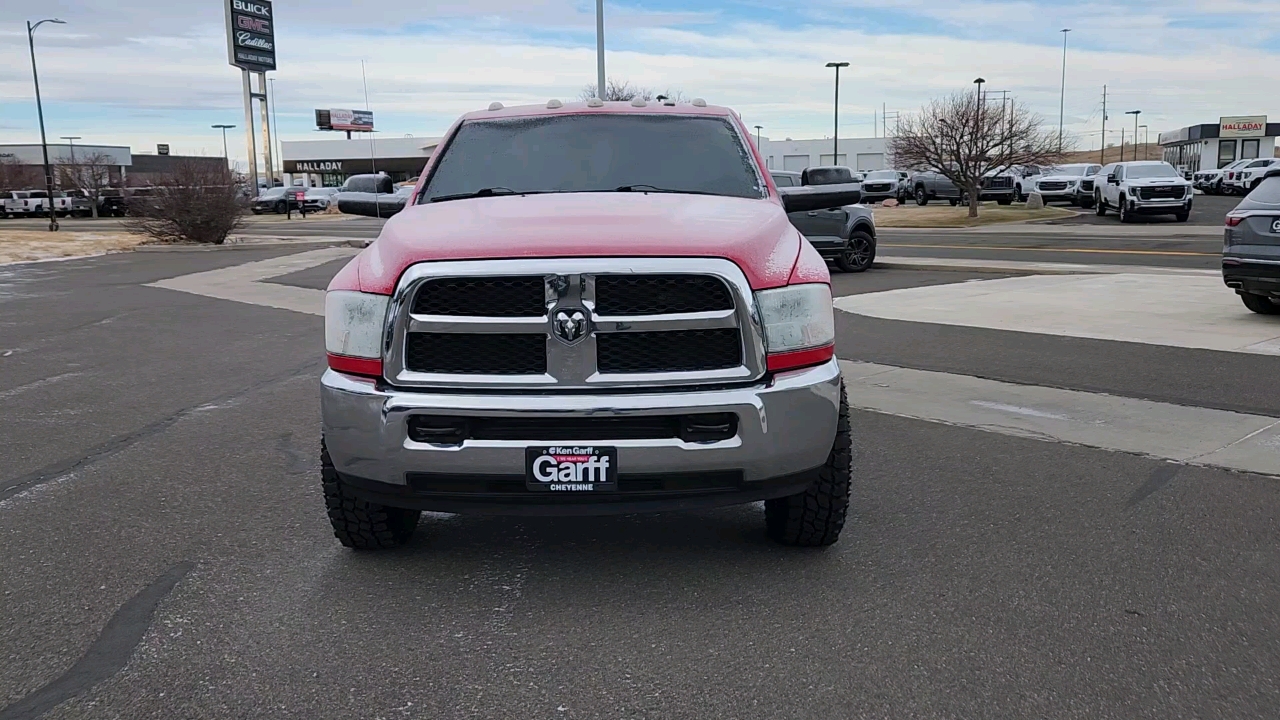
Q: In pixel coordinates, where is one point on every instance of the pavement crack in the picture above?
(108, 654)
(10, 488)
(1233, 443)
(1158, 478)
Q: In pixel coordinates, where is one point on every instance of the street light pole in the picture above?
(1146, 140)
(224, 129)
(758, 129)
(44, 145)
(600, 49)
(835, 135)
(1135, 114)
(71, 140)
(1062, 95)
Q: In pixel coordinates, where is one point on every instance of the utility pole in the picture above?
(1102, 154)
(1146, 142)
(1122, 144)
(1062, 97)
(600, 49)
(835, 136)
(1135, 114)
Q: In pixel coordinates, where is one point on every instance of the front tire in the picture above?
(1260, 304)
(360, 524)
(1099, 205)
(815, 517)
(1125, 213)
(1182, 216)
(954, 202)
(858, 253)
(281, 208)
(922, 198)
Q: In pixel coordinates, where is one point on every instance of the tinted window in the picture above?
(1267, 192)
(1070, 170)
(783, 181)
(1134, 172)
(1258, 163)
(596, 153)
(882, 175)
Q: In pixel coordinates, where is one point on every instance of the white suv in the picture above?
(1144, 187)
(1246, 178)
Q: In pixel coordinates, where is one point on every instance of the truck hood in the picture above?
(753, 233)
(1059, 178)
(1147, 182)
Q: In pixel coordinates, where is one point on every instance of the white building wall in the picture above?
(858, 153)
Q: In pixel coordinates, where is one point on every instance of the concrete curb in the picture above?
(1031, 268)
(305, 243)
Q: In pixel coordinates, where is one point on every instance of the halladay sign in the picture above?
(251, 36)
(1242, 126)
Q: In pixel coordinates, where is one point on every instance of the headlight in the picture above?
(799, 325)
(353, 325)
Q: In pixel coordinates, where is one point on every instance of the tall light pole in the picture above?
(1135, 114)
(600, 49)
(1062, 94)
(1146, 139)
(71, 140)
(758, 129)
(224, 129)
(44, 145)
(977, 116)
(835, 135)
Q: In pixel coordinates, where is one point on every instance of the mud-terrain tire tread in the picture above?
(815, 517)
(358, 523)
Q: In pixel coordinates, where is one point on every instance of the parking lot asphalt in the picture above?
(166, 552)
(1205, 210)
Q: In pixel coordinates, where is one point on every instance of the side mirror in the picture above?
(1111, 178)
(371, 183)
(819, 197)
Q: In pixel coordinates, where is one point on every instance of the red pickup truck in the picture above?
(583, 309)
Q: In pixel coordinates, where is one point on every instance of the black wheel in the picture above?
(1085, 202)
(815, 517)
(1004, 201)
(1182, 216)
(1021, 195)
(858, 254)
(1124, 211)
(281, 208)
(1260, 304)
(922, 198)
(964, 199)
(358, 523)
(1099, 205)
(954, 202)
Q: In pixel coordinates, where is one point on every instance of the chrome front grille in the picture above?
(573, 324)
(1162, 192)
(1052, 186)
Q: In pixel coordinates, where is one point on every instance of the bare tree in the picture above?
(966, 139)
(197, 202)
(617, 91)
(89, 173)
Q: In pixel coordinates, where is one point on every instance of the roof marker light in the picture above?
(638, 102)
(699, 102)
(595, 102)
(554, 104)
(495, 106)
(669, 102)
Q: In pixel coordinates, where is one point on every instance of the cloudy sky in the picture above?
(147, 71)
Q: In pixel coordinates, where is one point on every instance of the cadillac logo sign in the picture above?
(251, 35)
(569, 325)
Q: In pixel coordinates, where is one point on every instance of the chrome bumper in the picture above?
(785, 426)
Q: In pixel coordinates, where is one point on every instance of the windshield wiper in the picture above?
(482, 192)
(655, 189)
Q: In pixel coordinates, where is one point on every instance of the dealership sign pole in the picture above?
(251, 46)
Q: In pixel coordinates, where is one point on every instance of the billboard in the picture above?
(251, 35)
(1242, 126)
(337, 119)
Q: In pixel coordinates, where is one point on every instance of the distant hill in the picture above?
(1147, 151)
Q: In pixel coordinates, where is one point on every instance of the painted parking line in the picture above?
(243, 283)
(1179, 310)
(1191, 435)
(1087, 251)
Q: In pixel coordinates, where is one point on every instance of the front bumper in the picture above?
(785, 429)
(1159, 207)
(1068, 193)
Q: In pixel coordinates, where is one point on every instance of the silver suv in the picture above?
(1251, 247)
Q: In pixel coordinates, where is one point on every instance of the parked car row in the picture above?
(933, 185)
(1238, 178)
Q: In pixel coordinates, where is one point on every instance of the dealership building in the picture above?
(124, 167)
(328, 163)
(1215, 145)
(862, 154)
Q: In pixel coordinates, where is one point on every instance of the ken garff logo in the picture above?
(569, 325)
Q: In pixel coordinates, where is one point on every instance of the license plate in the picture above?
(571, 468)
(1275, 226)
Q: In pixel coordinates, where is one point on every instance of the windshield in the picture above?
(1071, 170)
(882, 175)
(1137, 172)
(273, 192)
(595, 153)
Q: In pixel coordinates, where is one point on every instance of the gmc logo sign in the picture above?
(244, 22)
(252, 8)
